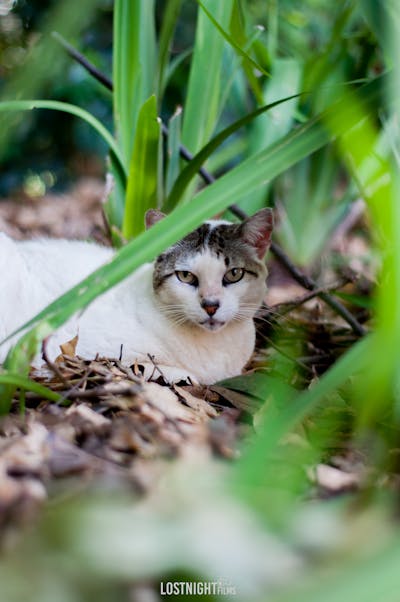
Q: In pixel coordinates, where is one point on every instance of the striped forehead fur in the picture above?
(219, 237)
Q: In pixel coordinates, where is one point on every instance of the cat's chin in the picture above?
(212, 325)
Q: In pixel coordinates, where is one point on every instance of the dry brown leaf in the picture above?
(199, 405)
(69, 348)
(28, 453)
(84, 413)
(238, 400)
(167, 402)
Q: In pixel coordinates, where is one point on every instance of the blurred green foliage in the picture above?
(45, 141)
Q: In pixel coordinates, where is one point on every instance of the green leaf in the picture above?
(228, 154)
(114, 207)
(258, 169)
(168, 25)
(205, 78)
(237, 29)
(357, 300)
(134, 66)
(376, 14)
(174, 138)
(247, 58)
(192, 168)
(378, 183)
(284, 82)
(258, 385)
(252, 469)
(27, 105)
(141, 191)
(9, 382)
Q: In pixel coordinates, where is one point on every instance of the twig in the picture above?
(102, 390)
(75, 390)
(289, 305)
(208, 178)
(52, 365)
(79, 58)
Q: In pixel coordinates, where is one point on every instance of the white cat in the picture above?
(191, 310)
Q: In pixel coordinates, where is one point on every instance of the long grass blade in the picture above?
(133, 66)
(238, 49)
(285, 81)
(174, 138)
(142, 185)
(27, 105)
(168, 25)
(202, 100)
(21, 382)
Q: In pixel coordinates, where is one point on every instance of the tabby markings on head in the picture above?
(221, 239)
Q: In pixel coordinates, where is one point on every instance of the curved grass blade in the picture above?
(190, 171)
(27, 105)
(133, 66)
(10, 382)
(238, 49)
(142, 185)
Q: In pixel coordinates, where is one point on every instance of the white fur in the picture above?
(168, 327)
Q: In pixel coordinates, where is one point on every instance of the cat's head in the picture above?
(215, 275)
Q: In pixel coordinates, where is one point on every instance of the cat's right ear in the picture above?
(152, 217)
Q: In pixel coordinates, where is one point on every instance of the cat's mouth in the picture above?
(212, 324)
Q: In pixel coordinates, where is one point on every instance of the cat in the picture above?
(191, 310)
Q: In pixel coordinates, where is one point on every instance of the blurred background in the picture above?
(50, 150)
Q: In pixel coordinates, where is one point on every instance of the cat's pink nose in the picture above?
(210, 306)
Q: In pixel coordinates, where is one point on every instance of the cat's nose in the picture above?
(210, 306)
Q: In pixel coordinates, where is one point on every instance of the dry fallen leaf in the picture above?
(69, 348)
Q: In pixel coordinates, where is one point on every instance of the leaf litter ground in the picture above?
(112, 427)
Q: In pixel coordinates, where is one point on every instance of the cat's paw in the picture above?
(170, 374)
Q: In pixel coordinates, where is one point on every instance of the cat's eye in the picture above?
(186, 277)
(233, 275)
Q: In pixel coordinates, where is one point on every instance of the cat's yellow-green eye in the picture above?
(186, 277)
(233, 275)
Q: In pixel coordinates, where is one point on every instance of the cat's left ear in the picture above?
(257, 230)
(152, 217)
